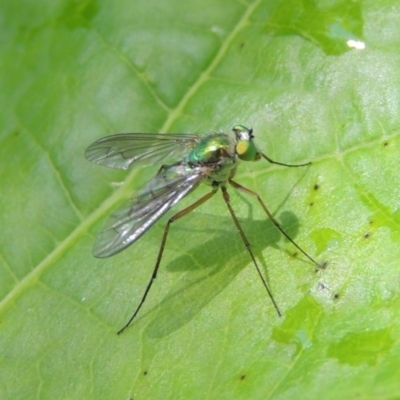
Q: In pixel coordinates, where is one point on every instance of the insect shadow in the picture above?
(212, 265)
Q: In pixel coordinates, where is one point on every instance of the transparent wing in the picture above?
(123, 150)
(138, 214)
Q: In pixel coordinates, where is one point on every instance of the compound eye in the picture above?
(247, 151)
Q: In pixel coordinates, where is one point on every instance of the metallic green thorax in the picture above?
(212, 149)
(222, 153)
(218, 153)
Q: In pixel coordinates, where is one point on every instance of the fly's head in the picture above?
(246, 149)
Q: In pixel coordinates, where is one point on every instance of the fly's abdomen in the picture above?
(213, 149)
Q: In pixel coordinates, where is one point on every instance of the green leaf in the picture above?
(72, 72)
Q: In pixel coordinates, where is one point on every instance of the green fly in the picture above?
(211, 159)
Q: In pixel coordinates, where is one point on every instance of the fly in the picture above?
(211, 159)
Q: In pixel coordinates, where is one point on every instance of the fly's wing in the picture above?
(138, 214)
(123, 150)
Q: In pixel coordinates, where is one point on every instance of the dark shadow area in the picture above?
(212, 265)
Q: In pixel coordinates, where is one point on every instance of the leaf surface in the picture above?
(72, 72)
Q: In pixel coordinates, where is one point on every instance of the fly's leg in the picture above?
(226, 197)
(272, 218)
(162, 247)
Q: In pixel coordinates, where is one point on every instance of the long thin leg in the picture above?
(271, 217)
(225, 195)
(162, 247)
(279, 163)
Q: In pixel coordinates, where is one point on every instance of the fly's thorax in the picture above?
(217, 153)
(214, 149)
